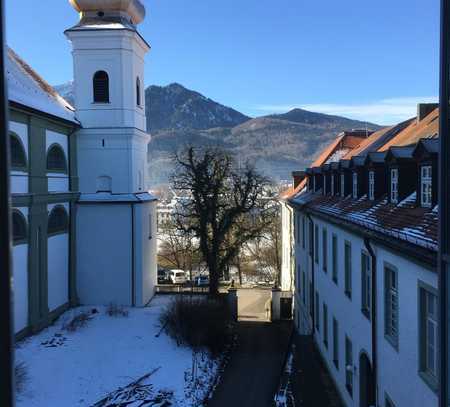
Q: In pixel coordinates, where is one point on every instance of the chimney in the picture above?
(424, 109)
(298, 177)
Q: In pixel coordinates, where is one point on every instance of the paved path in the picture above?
(252, 375)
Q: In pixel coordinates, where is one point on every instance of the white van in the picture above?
(177, 276)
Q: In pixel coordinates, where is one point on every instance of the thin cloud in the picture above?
(385, 111)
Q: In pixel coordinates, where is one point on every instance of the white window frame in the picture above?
(394, 185)
(428, 334)
(371, 185)
(342, 185)
(332, 184)
(391, 305)
(355, 185)
(426, 180)
(366, 284)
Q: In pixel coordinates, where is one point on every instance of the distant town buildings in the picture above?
(84, 223)
(359, 252)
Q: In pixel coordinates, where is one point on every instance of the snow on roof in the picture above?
(405, 221)
(27, 88)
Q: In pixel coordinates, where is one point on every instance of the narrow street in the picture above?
(252, 375)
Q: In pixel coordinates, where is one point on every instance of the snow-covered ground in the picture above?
(69, 369)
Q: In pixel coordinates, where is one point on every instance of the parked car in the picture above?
(162, 276)
(177, 277)
(201, 281)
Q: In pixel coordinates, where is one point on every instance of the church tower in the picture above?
(116, 241)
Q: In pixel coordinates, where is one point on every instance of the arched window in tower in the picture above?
(19, 224)
(58, 220)
(56, 159)
(101, 87)
(18, 155)
(138, 91)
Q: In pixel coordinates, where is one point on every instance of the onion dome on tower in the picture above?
(129, 11)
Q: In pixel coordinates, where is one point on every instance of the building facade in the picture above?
(365, 244)
(84, 223)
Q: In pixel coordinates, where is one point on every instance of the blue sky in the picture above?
(366, 60)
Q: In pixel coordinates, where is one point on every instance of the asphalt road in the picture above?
(252, 375)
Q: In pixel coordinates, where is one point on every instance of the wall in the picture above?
(104, 239)
(20, 282)
(408, 388)
(405, 389)
(286, 247)
(145, 252)
(58, 267)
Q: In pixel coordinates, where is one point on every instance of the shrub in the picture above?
(198, 323)
(77, 322)
(115, 310)
(21, 376)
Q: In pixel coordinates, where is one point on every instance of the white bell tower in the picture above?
(116, 250)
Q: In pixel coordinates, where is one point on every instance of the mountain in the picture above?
(175, 107)
(277, 144)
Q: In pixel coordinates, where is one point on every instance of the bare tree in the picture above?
(177, 249)
(220, 195)
(265, 249)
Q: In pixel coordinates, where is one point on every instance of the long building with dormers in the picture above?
(84, 223)
(359, 252)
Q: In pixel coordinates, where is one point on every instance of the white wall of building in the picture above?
(58, 266)
(145, 252)
(405, 389)
(20, 282)
(287, 237)
(398, 372)
(19, 179)
(104, 247)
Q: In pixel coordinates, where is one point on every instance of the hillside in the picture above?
(277, 144)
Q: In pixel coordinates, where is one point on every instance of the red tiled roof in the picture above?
(428, 127)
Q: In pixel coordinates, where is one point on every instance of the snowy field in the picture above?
(81, 368)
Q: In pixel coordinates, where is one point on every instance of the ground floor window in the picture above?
(349, 365)
(325, 324)
(335, 343)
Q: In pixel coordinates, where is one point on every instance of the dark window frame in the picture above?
(366, 284)
(51, 166)
(334, 254)
(100, 86)
(16, 141)
(57, 228)
(138, 92)
(19, 219)
(348, 269)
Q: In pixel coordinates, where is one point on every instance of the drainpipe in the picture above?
(373, 309)
(313, 282)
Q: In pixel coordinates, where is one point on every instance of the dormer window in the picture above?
(371, 185)
(394, 185)
(355, 185)
(425, 186)
(343, 185)
(101, 87)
